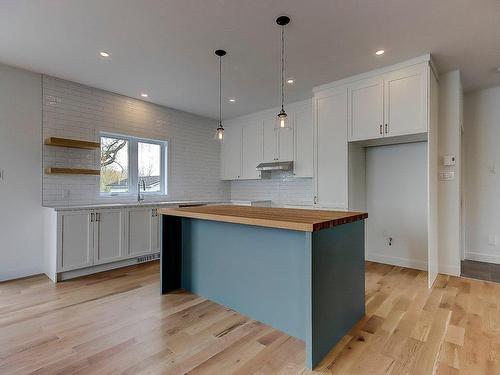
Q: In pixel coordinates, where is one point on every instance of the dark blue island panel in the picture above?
(310, 285)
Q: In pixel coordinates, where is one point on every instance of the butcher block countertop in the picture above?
(283, 218)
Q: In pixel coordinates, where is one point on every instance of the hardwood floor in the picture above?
(117, 322)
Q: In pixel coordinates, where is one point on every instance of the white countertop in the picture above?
(93, 206)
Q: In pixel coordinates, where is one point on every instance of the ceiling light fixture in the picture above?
(290, 81)
(144, 95)
(232, 100)
(380, 52)
(282, 118)
(219, 132)
(104, 54)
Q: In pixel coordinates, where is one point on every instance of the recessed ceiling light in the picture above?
(498, 69)
(104, 54)
(144, 95)
(290, 81)
(380, 52)
(232, 100)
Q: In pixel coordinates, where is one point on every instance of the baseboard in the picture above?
(481, 257)
(449, 270)
(395, 261)
(100, 268)
(19, 273)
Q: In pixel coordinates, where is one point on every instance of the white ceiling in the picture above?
(165, 47)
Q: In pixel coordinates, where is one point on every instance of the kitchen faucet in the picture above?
(140, 197)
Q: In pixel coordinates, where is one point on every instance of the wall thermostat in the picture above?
(449, 160)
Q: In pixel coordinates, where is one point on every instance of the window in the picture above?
(127, 162)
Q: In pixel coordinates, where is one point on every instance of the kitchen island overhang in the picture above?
(300, 271)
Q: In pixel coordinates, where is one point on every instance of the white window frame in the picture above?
(133, 165)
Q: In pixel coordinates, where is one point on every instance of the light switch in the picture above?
(446, 176)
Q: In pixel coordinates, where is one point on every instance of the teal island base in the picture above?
(310, 285)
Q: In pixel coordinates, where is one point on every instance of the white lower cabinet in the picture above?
(75, 240)
(143, 231)
(89, 238)
(109, 236)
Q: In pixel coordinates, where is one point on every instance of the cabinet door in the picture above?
(139, 231)
(285, 143)
(406, 101)
(75, 232)
(330, 141)
(270, 139)
(251, 149)
(155, 231)
(231, 152)
(303, 160)
(108, 236)
(366, 114)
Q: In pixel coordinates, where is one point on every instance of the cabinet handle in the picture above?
(92, 217)
(380, 128)
(386, 128)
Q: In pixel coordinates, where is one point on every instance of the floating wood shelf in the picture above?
(72, 143)
(94, 172)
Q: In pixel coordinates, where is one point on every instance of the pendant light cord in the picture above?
(282, 67)
(220, 90)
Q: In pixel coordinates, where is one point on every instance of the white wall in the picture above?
(72, 110)
(482, 174)
(21, 214)
(450, 123)
(396, 202)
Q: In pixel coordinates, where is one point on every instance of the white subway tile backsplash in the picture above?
(72, 110)
(280, 188)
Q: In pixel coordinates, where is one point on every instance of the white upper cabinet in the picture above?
(277, 143)
(390, 104)
(285, 144)
(366, 113)
(253, 139)
(231, 153)
(109, 236)
(251, 149)
(303, 127)
(330, 151)
(270, 140)
(406, 101)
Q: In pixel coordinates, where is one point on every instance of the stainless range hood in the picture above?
(276, 166)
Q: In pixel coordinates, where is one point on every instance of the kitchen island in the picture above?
(300, 271)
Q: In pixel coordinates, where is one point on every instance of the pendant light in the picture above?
(219, 133)
(282, 118)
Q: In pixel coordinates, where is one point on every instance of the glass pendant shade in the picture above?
(219, 133)
(282, 120)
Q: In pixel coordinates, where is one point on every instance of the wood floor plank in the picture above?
(117, 322)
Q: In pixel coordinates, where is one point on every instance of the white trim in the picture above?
(133, 166)
(481, 257)
(396, 261)
(405, 64)
(19, 273)
(449, 270)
